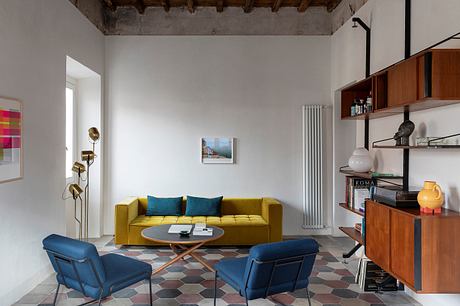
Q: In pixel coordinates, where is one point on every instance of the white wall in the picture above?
(89, 114)
(164, 93)
(35, 38)
(432, 21)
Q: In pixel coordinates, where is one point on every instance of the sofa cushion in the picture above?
(203, 206)
(164, 206)
(228, 220)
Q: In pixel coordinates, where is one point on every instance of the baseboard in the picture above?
(27, 285)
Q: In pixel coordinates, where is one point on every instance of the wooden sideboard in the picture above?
(420, 250)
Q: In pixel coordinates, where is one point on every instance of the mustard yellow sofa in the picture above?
(245, 221)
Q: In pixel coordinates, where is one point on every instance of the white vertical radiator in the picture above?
(312, 135)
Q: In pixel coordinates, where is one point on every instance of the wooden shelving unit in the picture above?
(432, 147)
(402, 241)
(345, 206)
(353, 234)
(425, 81)
(369, 175)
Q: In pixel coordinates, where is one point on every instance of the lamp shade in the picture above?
(87, 155)
(94, 134)
(78, 167)
(75, 190)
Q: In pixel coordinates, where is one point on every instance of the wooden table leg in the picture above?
(179, 257)
(199, 259)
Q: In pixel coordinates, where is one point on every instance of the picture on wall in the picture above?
(10, 140)
(217, 150)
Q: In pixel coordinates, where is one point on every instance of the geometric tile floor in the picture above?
(187, 283)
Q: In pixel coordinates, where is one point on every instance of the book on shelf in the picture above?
(357, 191)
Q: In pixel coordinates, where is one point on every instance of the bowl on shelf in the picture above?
(361, 160)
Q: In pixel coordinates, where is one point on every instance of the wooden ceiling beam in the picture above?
(140, 6)
(332, 4)
(304, 4)
(190, 6)
(248, 6)
(165, 4)
(276, 5)
(220, 6)
(109, 4)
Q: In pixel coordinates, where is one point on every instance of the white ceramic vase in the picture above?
(361, 160)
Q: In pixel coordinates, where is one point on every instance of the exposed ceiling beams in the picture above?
(304, 4)
(246, 5)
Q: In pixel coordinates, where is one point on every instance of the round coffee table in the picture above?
(181, 246)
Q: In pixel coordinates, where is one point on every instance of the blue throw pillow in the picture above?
(203, 206)
(164, 206)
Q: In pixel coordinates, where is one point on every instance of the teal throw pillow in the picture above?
(203, 206)
(164, 206)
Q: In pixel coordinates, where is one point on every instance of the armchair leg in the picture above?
(308, 297)
(246, 299)
(150, 289)
(56, 295)
(215, 288)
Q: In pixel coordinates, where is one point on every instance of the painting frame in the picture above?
(15, 143)
(217, 150)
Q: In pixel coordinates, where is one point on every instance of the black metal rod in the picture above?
(352, 251)
(406, 161)
(366, 134)
(368, 43)
(407, 29)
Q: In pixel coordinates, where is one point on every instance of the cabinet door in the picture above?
(402, 246)
(403, 83)
(378, 234)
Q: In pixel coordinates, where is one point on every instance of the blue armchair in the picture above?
(269, 269)
(79, 266)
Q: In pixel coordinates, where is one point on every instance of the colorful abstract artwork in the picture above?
(217, 150)
(10, 140)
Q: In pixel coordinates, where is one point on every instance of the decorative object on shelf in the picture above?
(430, 198)
(76, 191)
(402, 135)
(361, 160)
(217, 150)
(11, 152)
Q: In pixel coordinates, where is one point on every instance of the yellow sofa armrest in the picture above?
(272, 212)
(125, 212)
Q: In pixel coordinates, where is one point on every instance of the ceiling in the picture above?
(220, 5)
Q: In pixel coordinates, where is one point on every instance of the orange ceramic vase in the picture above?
(430, 198)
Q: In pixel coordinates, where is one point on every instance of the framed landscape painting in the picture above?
(217, 150)
(10, 140)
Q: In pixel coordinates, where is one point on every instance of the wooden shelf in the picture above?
(418, 147)
(369, 175)
(352, 233)
(356, 211)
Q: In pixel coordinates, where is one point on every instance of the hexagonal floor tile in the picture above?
(209, 293)
(125, 293)
(171, 284)
(189, 298)
(191, 288)
(168, 293)
(192, 279)
(345, 293)
(233, 298)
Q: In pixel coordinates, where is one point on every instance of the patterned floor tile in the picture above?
(187, 283)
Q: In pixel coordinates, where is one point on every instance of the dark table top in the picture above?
(160, 234)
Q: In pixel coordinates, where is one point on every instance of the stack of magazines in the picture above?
(200, 229)
(370, 275)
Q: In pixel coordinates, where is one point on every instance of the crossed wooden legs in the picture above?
(185, 251)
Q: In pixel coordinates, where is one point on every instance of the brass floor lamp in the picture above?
(88, 157)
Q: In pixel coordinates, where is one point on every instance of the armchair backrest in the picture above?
(279, 267)
(76, 263)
